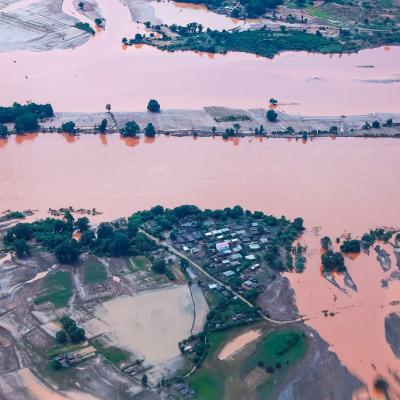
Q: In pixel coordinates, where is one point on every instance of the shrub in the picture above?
(150, 131)
(26, 123)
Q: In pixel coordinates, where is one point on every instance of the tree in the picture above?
(67, 322)
(55, 364)
(150, 131)
(153, 106)
(26, 123)
(131, 129)
(77, 335)
(376, 124)
(333, 261)
(108, 107)
(298, 224)
(103, 126)
(61, 337)
(67, 252)
(236, 126)
(144, 380)
(159, 266)
(333, 129)
(82, 224)
(273, 101)
(87, 238)
(272, 115)
(21, 248)
(3, 131)
(99, 21)
(351, 246)
(81, 5)
(68, 127)
(120, 245)
(326, 242)
(104, 231)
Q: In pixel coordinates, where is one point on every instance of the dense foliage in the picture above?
(333, 261)
(10, 114)
(351, 246)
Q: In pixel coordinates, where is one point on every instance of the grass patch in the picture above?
(315, 12)
(113, 354)
(207, 385)
(139, 263)
(57, 289)
(63, 349)
(94, 273)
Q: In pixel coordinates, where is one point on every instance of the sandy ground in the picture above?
(203, 120)
(392, 332)
(40, 25)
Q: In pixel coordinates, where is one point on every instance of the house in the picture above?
(250, 257)
(237, 248)
(236, 256)
(213, 286)
(228, 273)
(222, 246)
(254, 246)
(226, 261)
(254, 224)
(254, 267)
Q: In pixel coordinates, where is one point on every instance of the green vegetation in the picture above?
(70, 332)
(26, 123)
(351, 246)
(150, 131)
(84, 26)
(261, 42)
(94, 273)
(68, 127)
(3, 131)
(207, 385)
(272, 115)
(15, 215)
(102, 128)
(384, 235)
(153, 106)
(326, 242)
(333, 261)
(232, 118)
(10, 114)
(139, 263)
(112, 353)
(131, 129)
(57, 289)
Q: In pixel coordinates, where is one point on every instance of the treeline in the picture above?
(24, 116)
(263, 42)
(56, 236)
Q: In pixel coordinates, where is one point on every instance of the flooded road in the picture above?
(101, 72)
(343, 185)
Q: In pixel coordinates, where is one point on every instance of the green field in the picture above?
(139, 263)
(57, 289)
(94, 273)
(113, 354)
(218, 379)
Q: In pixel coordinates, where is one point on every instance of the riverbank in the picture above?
(214, 121)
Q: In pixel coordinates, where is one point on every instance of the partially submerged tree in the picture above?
(153, 106)
(272, 115)
(131, 129)
(150, 131)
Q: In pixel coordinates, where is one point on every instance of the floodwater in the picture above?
(170, 12)
(102, 71)
(151, 323)
(238, 343)
(343, 185)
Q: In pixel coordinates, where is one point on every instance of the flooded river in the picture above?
(342, 185)
(101, 72)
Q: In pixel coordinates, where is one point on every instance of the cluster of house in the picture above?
(70, 359)
(231, 251)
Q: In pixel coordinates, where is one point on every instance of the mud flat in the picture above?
(392, 332)
(238, 343)
(201, 122)
(38, 26)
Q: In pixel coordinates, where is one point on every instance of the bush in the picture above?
(351, 246)
(3, 131)
(131, 129)
(84, 26)
(153, 106)
(68, 127)
(103, 126)
(26, 123)
(150, 131)
(272, 115)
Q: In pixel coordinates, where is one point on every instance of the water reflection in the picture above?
(27, 137)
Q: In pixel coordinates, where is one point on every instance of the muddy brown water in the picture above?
(342, 185)
(101, 72)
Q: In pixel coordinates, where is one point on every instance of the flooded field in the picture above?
(102, 72)
(151, 323)
(322, 181)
